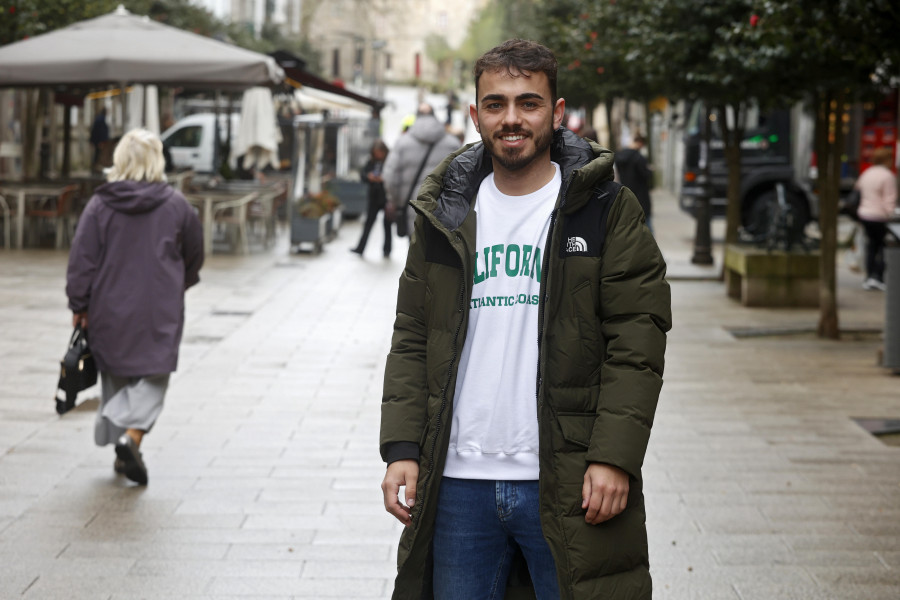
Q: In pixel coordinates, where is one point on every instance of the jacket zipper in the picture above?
(544, 294)
(444, 389)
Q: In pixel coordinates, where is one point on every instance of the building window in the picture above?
(442, 20)
(336, 62)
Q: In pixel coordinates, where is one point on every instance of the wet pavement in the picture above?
(264, 467)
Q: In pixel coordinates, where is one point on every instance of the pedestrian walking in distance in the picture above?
(526, 360)
(877, 202)
(137, 248)
(99, 137)
(636, 175)
(377, 200)
(416, 153)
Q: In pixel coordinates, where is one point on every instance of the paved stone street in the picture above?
(264, 466)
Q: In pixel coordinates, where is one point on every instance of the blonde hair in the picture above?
(883, 156)
(138, 157)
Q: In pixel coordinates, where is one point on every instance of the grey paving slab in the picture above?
(264, 470)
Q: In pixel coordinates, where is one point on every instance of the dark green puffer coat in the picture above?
(605, 308)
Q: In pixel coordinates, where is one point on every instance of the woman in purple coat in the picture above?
(138, 247)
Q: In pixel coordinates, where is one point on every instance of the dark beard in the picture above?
(517, 160)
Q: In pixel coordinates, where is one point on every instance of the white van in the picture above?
(190, 141)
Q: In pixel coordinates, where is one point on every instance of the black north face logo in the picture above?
(584, 231)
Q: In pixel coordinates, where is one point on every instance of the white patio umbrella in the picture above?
(258, 134)
(123, 48)
(143, 108)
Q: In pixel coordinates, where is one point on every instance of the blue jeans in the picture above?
(477, 528)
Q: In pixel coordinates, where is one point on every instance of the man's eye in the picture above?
(493, 105)
(529, 105)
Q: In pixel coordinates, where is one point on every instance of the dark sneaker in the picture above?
(133, 462)
(119, 466)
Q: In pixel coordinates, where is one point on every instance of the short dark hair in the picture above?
(519, 57)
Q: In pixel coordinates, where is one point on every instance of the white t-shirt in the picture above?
(494, 433)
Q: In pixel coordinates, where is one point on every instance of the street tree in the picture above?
(689, 50)
(847, 52)
(592, 39)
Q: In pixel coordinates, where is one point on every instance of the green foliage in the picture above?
(843, 44)
(20, 19)
(591, 39)
(438, 49)
(723, 51)
(486, 30)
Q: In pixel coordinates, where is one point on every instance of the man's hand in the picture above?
(402, 473)
(605, 492)
(79, 318)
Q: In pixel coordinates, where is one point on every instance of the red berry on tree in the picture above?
(754, 19)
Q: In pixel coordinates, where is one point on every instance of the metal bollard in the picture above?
(891, 358)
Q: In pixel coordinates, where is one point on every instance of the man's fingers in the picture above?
(410, 493)
(392, 501)
(402, 473)
(605, 493)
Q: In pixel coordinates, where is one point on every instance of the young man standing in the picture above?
(526, 360)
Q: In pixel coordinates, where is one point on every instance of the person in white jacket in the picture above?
(416, 154)
(878, 202)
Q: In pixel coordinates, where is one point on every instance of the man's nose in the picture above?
(511, 115)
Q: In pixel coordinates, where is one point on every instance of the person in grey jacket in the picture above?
(422, 148)
(137, 248)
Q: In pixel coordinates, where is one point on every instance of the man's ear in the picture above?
(559, 111)
(473, 114)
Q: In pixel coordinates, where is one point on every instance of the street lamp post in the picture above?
(703, 236)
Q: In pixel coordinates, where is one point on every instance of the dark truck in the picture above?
(768, 175)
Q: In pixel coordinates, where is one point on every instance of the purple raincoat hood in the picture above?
(134, 197)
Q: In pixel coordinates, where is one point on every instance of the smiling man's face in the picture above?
(516, 117)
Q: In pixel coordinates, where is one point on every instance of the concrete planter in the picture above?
(757, 277)
(309, 231)
(354, 196)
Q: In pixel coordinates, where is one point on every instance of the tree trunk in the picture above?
(33, 134)
(732, 138)
(609, 123)
(832, 128)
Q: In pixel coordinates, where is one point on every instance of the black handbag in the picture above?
(850, 205)
(77, 371)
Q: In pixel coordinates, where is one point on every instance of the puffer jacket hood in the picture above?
(134, 197)
(427, 129)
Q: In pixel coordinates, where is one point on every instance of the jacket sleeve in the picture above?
(635, 314)
(889, 196)
(403, 406)
(84, 260)
(391, 173)
(192, 246)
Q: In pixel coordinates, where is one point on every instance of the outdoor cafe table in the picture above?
(24, 192)
(206, 200)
